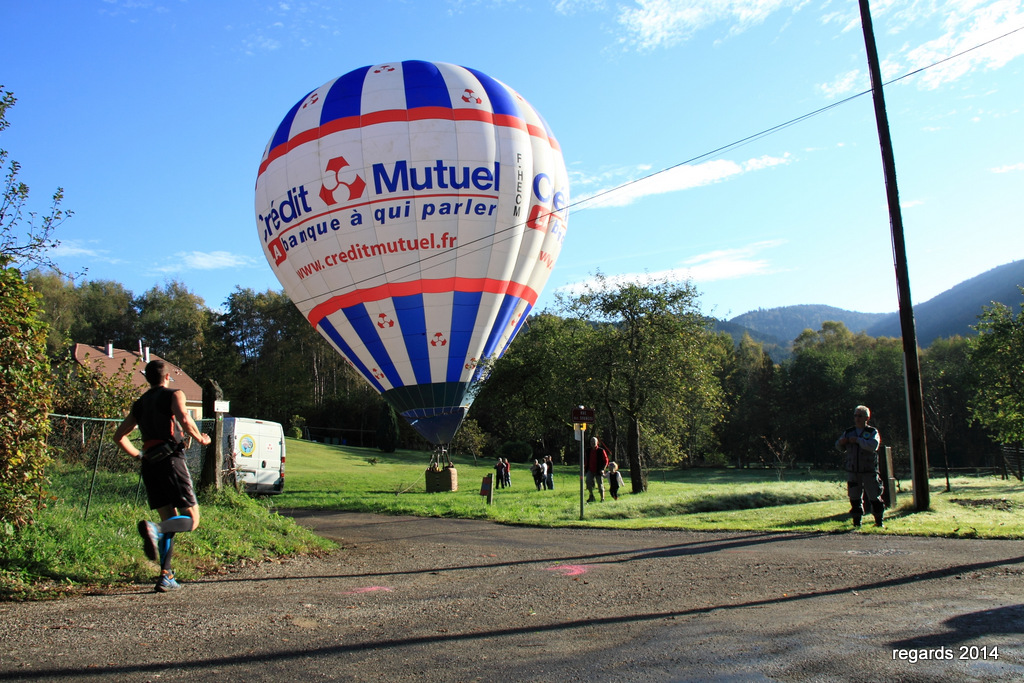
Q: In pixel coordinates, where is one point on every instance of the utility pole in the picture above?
(911, 362)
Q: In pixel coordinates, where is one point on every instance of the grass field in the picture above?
(81, 543)
(340, 478)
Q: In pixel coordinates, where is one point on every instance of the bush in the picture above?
(26, 395)
(516, 451)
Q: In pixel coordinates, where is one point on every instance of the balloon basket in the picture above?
(445, 479)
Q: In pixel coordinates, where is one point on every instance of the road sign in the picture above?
(583, 415)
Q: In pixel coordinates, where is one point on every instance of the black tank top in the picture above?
(153, 414)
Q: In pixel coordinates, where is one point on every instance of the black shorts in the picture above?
(168, 482)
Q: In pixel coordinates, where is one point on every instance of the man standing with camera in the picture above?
(158, 414)
(860, 443)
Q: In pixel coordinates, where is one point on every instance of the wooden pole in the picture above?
(912, 364)
(211, 474)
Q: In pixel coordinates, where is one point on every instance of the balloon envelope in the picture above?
(413, 212)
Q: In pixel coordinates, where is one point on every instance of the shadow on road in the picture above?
(1004, 620)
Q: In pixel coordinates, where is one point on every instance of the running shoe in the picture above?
(150, 537)
(166, 583)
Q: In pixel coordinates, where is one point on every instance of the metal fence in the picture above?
(94, 468)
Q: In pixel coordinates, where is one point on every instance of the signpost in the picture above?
(581, 417)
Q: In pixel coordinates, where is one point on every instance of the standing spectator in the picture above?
(597, 461)
(860, 443)
(508, 473)
(499, 474)
(614, 480)
(549, 473)
(538, 474)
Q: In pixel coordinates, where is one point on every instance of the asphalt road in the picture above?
(410, 599)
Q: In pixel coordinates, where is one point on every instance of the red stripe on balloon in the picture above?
(395, 115)
(392, 289)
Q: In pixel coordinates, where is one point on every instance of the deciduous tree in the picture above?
(653, 363)
(998, 355)
(25, 389)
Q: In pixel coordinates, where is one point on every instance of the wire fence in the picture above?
(95, 468)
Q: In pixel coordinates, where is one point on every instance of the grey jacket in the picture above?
(861, 456)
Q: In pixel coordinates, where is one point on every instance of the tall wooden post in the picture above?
(213, 462)
(912, 364)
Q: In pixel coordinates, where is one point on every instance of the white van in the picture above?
(255, 448)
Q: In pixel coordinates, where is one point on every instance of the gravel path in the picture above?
(410, 599)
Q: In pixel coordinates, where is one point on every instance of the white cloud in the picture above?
(964, 24)
(729, 264)
(722, 264)
(1009, 168)
(651, 24)
(201, 260)
(74, 248)
(844, 84)
(570, 7)
(672, 180)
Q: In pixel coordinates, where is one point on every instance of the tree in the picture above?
(470, 439)
(532, 390)
(751, 386)
(819, 391)
(947, 383)
(174, 323)
(387, 429)
(93, 312)
(276, 364)
(997, 353)
(85, 392)
(25, 389)
(59, 309)
(106, 313)
(652, 364)
(25, 238)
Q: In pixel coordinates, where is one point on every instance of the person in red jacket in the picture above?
(597, 461)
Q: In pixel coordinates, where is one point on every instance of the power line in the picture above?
(774, 129)
(513, 231)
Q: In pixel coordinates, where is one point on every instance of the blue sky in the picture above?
(153, 116)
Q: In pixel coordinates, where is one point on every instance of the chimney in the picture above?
(110, 349)
(146, 355)
(140, 348)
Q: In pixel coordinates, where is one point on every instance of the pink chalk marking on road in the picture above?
(366, 589)
(569, 569)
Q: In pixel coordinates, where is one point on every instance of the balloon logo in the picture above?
(413, 212)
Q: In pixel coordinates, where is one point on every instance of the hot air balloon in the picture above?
(413, 212)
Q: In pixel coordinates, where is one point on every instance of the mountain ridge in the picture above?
(950, 313)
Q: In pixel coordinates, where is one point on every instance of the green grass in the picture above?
(67, 552)
(342, 478)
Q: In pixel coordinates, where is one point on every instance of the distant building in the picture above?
(111, 362)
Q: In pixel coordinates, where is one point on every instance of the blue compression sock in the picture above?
(164, 547)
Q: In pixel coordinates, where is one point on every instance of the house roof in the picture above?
(111, 362)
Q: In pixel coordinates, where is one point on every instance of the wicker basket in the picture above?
(446, 479)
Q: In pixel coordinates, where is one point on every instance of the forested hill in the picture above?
(955, 310)
(787, 322)
(948, 314)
